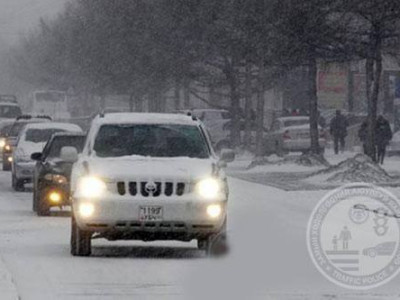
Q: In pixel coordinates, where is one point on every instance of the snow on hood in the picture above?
(133, 167)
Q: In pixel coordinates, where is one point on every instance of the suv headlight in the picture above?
(209, 188)
(91, 187)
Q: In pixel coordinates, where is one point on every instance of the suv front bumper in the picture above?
(184, 218)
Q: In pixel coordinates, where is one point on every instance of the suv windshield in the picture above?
(40, 135)
(17, 128)
(64, 141)
(151, 140)
(9, 111)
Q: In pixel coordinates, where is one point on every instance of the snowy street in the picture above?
(268, 259)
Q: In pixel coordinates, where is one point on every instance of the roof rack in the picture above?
(28, 117)
(24, 117)
(44, 117)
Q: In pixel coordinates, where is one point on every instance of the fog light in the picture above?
(214, 210)
(55, 197)
(86, 210)
(10, 159)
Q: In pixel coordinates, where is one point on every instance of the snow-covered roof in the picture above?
(208, 110)
(294, 118)
(144, 118)
(54, 125)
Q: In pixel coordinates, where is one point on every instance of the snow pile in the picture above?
(305, 160)
(359, 168)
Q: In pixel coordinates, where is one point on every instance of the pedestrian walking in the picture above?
(362, 134)
(383, 135)
(338, 130)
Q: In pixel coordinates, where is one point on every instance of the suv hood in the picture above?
(150, 168)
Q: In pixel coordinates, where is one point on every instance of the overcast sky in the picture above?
(18, 16)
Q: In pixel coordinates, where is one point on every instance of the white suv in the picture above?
(147, 177)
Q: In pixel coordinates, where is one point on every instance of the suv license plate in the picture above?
(151, 213)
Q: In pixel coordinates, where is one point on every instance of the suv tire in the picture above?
(216, 244)
(17, 184)
(81, 241)
(42, 208)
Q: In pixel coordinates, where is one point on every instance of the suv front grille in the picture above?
(151, 189)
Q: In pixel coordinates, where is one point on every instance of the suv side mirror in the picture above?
(227, 155)
(36, 156)
(69, 154)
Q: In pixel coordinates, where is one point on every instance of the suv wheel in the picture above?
(81, 241)
(42, 208)
(215, 244)
(17, 184)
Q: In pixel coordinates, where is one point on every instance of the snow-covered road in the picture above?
(268, 260)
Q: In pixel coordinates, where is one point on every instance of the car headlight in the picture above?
(91, 187)
(209, 188)
(214, 211)
(86, 210)
(60, 179)
(2, 143)
(7, 147)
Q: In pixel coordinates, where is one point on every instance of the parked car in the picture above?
(221, 136)
(147, 177)
(291, 134)
(9, 107)
(32, 139)
(51, 174)
(12, 135)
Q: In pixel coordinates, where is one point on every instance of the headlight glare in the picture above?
(55, 197)
(208, 188)
(214, 211)
(91, 187)
(86, 210)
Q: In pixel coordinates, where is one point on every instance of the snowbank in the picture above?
(305, 160)
(359, 168)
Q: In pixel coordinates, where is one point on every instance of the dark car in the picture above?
(51, 175)
(12, 135)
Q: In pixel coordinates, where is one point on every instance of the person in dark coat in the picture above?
(338, 130)
(383, 135)
(362, 134)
